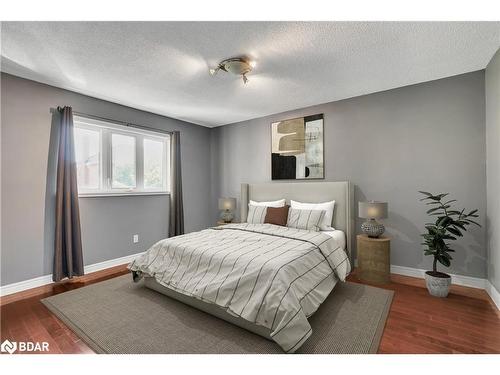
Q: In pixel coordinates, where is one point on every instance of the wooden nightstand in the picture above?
(374, 259)
(220, 222)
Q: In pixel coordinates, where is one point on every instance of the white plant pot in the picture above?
(438, 286)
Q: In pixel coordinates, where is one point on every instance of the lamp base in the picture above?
(226, 216)
(372, 228)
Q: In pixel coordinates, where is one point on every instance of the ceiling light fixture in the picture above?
(236, 65)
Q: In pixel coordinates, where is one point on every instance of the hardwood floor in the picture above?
(24, 318)
(465, 322)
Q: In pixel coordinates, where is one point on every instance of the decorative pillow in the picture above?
(256, 214)
(328, 207)
(277, 215)
(278, 203)
(305, 219)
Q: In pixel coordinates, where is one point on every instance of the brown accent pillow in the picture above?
(277, 215)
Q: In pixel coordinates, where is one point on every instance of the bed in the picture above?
(264, 278)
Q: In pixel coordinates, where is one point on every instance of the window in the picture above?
(123, 161)
(88, 157)
(115, 159)
(153, 164)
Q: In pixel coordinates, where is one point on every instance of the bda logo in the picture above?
(8, 347)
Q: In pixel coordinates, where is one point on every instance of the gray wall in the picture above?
(107, 223)
(493, 168)
(429, 136)
(390, 144)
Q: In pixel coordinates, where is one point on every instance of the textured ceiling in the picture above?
(162, 67)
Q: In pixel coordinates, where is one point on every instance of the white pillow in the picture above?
(305, 219)
(326, 223)
(256, 214)
(278, 203)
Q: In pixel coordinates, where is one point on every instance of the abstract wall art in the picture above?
(297, 148)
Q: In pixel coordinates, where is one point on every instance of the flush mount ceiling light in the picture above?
(236, 65)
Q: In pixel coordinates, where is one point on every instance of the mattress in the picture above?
(270, 276)
(338, 235)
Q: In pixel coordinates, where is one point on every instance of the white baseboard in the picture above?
(493, 293)
(110, 263)
(5, 290)
(473, 282)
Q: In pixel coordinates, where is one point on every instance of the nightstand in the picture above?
(220, 222)
(374, 259)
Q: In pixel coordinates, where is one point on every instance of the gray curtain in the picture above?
(68, 257)
(176, 221)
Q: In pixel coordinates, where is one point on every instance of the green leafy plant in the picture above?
(450, 224)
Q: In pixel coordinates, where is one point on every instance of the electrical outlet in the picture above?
(135, 238)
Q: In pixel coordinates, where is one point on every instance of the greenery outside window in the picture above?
(114, 159)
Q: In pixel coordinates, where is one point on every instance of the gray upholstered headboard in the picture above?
(342, 192)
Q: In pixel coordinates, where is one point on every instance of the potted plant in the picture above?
(449, 225)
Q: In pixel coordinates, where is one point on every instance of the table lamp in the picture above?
(372, 210)
(227, 205)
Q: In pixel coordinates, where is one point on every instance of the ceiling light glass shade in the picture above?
(372, 210)
(235, 65)
(228, 204)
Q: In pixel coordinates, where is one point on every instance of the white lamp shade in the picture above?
(227, 204)
(372, 210)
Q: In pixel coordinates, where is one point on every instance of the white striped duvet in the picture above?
(269, 275)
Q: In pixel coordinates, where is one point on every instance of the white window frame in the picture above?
(106, 130)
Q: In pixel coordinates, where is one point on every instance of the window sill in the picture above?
(99, 195)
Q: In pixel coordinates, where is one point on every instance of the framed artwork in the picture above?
(297, 149)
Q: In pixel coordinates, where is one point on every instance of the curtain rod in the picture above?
(129, 124)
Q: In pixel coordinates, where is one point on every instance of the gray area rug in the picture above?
(119, 317)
